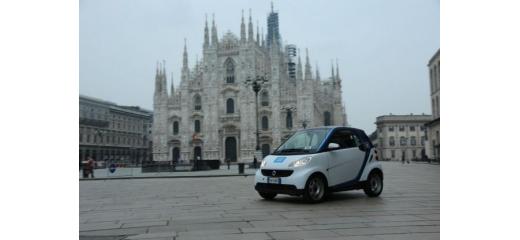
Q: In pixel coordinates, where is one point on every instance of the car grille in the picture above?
(278, 173)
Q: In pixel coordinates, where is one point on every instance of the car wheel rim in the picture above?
(316, 188)
(375, 183)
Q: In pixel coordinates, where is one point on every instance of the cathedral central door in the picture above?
(231, 149)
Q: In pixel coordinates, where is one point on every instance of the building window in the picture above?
(265, 123)
(230, 105)
(390, 129)
(402, 141)
(391, 141)
(197, 126)
(327, 121)
(412, 128)
(413, 141)
(230, 71)
(288, 119)
(175, 128)
(265, 99)
(422, 128)
(401, 128)
(197, 103)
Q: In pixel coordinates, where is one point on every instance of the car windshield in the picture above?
(307, 141)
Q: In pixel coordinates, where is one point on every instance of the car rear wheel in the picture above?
(267, 196)
(374, 185)
(314, 189)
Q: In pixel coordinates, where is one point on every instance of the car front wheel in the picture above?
(267, 196)
(374, 185)
(314, 189)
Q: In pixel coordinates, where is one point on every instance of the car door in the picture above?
(344, 163)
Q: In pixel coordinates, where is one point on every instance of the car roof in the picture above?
(334, 127)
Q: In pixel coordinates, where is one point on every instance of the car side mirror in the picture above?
(333, 146)
(364, 147)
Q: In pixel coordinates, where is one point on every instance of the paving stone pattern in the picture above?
(229, 208)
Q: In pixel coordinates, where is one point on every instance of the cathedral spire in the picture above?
(164, 85)
(308, 73)
(299, 73)
(214, 36)
(332, 69)
(250, 36)
(172, 88)
(157, 82)
(263, 41)
(318, 78)
(242, 29)
(337, 71)
(257, 32)
(185, 57)
(206, 33)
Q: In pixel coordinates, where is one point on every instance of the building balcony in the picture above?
(230, 118)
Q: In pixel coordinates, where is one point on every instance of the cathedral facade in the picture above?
(211, 114)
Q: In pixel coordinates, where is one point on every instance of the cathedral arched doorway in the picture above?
(231, 149)
(266, 150)
(175, 154)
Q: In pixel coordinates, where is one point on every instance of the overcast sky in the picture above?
(382, 46)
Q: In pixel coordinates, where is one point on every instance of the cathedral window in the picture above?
(265, 123)
(327, 121)
(197, 126)
(230, 71)
(230, 106)
(175, 128)
(288, 119)
(197, 103)
(265, 99)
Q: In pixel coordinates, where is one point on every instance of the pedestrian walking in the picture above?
(254, 161)
(90, 166)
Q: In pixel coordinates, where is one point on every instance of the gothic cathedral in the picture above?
(212, 114)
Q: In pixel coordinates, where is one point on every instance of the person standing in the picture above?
(90, 166)
(254, 161)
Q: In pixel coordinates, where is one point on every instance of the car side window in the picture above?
(345, 139)
(352, 140)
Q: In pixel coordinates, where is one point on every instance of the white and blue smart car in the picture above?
(315, 162)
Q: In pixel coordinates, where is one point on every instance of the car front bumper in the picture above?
(292, 185)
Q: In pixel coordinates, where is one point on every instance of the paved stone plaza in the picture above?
(229, 208)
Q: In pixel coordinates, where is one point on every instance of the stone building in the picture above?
(211, 113)
(109, 132)
(433, 127)
(401, 136)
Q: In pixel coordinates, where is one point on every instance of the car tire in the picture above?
(315, 189)
(374, 185)
(267, 196)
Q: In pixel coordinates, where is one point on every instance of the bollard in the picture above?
(240, 168)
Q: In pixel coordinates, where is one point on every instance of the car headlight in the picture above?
(301, 162)
(264, 162)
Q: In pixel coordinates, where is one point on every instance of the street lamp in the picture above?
(256, 85)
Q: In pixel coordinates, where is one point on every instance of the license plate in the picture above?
(274, 180)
